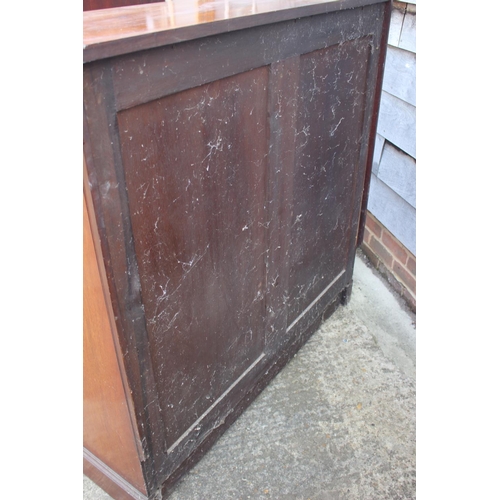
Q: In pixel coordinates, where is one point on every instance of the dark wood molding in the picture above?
(141, 78)
(89, 207)
(109, 197)
(382, 51)
(143, 27)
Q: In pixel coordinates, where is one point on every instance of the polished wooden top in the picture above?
(111, 32)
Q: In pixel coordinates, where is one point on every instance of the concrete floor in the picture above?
(337, 423)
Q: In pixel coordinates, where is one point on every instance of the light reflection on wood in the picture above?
(170, 13)
(125, 22)
(206, 11)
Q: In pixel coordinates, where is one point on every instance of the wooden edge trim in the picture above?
(93, 51)
(359, 181)
(109, 307)
(373, 127)
(111, 482)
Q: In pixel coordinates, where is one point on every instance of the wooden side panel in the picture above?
(330, 121)
(107, 430)
(195, 168)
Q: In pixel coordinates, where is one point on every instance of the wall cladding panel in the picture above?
(394, 213)
(397, 123)
(400, 75)
(398, 171)
(393, 187)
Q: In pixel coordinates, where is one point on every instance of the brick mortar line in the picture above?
(388, 274)
(390, 268)
(408, 253)
(381, 264)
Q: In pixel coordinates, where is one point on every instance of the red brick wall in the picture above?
(391, 258)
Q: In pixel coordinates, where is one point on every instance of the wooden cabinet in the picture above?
(226, 165)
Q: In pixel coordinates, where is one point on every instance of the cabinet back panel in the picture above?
(196, 187)
(332, 103)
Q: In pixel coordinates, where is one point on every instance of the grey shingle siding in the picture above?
(392, 198)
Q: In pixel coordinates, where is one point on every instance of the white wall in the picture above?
(392, 198)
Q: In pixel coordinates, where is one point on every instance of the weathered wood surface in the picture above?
(400, 74)
(402, 32)
(408, 39)
(377, 153)
(393, 212)
(107, 426)
(326, 138)
(398, 171)
(123, 30)
(392, 196)
(227, 180)
(397, 123)
(108, 4)
(397, 18)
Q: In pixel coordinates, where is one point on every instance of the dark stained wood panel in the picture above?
(227, 170)
(332, 105)
(283, 108)
(195, 167)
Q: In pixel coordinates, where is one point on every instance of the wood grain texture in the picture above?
(109, 4)
(147, 75)
(377, 153)
(397, 18)
(329, 123)
(400, 75)
(109, 201)
(107, 478)
(408, 40)
(128, 29)
(186, 163)
(374, 87)
(283, 107)
(398, 171)
(394, 213)
(397, 123)
(227, 173)
(107, 429)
